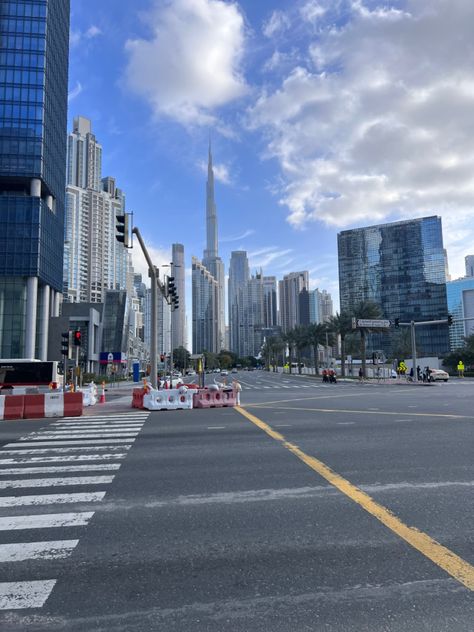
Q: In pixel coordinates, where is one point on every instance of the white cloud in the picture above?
(312, 11)
(191, 65)
(92, 31)
(276, 23)
(221, 172)
(380, 123)
(75, 92)
(274, 255)
(246, 233)
(159, 256)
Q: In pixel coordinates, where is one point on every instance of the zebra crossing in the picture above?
(259, 387)
(36, 506)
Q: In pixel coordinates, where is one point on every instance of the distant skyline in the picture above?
(324, 115)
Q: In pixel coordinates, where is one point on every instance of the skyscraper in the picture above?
(211, 259)
(294, 300)
(238, 277)
(469, 260)
(34, 46)
(205, 309)
(252, 322)
(94, 261)
(320, 306)
(460, 305)
(270, 309)
(401, 267)
(178, 315)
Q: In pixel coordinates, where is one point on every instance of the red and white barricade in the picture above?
(11, 407)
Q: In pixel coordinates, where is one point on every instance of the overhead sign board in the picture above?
(373, 323)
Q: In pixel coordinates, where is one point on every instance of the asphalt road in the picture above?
(335, 508)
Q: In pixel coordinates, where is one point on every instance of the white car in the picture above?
(224, 372)
(437, 375)
(191, 372)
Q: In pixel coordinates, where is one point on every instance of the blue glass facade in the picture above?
(461, 305)
(34, 49)
(34, 37)
(401, 267)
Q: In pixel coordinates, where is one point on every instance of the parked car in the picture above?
(437, 375)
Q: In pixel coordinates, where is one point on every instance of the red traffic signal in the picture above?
(77, 338)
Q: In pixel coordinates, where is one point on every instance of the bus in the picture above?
(24, 372)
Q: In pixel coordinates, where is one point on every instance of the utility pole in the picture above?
(153, 273)
(413, 351)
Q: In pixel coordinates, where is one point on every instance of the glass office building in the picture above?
(34, 47)
(402, 267)
(461, 306)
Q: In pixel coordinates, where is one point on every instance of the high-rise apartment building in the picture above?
(211, 259)
(270, 308)
(461, 306)
(94, 261)
(294, 300)
(205, 291)
(469, 260)
(34, 47)
(238, 277)
(252, 320)
(401, 267)
(178, 316)
(320, 306)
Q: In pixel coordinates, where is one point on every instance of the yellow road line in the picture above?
(433, 550)
(360, 412)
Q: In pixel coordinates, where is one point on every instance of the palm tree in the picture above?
(366, 310)
(341, 325)
(316, 336)
(301, 341)
(290, 340)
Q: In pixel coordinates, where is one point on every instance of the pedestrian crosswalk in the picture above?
(50, 480)
(260, 387)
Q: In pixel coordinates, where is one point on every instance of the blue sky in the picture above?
(324, 115)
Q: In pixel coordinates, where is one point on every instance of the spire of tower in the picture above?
(211, 214)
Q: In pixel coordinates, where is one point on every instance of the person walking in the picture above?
(361, 375)
(237, 388)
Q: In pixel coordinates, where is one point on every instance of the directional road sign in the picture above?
(373, 323)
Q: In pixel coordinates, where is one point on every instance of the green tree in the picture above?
(316, 335)
(365, 310)
(301, 341)
(227, 359)
(181, 358)
(341, 325)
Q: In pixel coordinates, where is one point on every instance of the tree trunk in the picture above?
(290, 361)
(316, 362)
(343, 356)
(362, 353)
(298, 360)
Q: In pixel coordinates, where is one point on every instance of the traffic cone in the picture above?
(102, 395)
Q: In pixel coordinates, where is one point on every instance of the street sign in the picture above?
(110, 357)
(373, 323)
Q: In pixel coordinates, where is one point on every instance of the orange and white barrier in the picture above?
(215, 398)
(11, 407)
(52, 405)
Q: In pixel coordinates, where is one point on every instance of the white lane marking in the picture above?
(77, 435)
(79, 442)
(68, 481)
(52, 550)
(19, 595)
(266, 386)
(50, 499)
(282, 425)
(43, 521)
(122, 427)
(373, 408)
(345, 423)
(66, 450)
(62, 459)
(60, 468)
(215, 427)
(110, 417)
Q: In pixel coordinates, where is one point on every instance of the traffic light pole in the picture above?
(153, 272)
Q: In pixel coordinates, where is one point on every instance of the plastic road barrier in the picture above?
(89, 394)
(137, 397)
(52, 405)
(11, 407)
(168, 399)
(212, 398)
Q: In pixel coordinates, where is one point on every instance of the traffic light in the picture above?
(65, 343)
(171, 286)
(123, 229)
(450, 320)
(77, 338)
(397, 322)
(175, 302)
